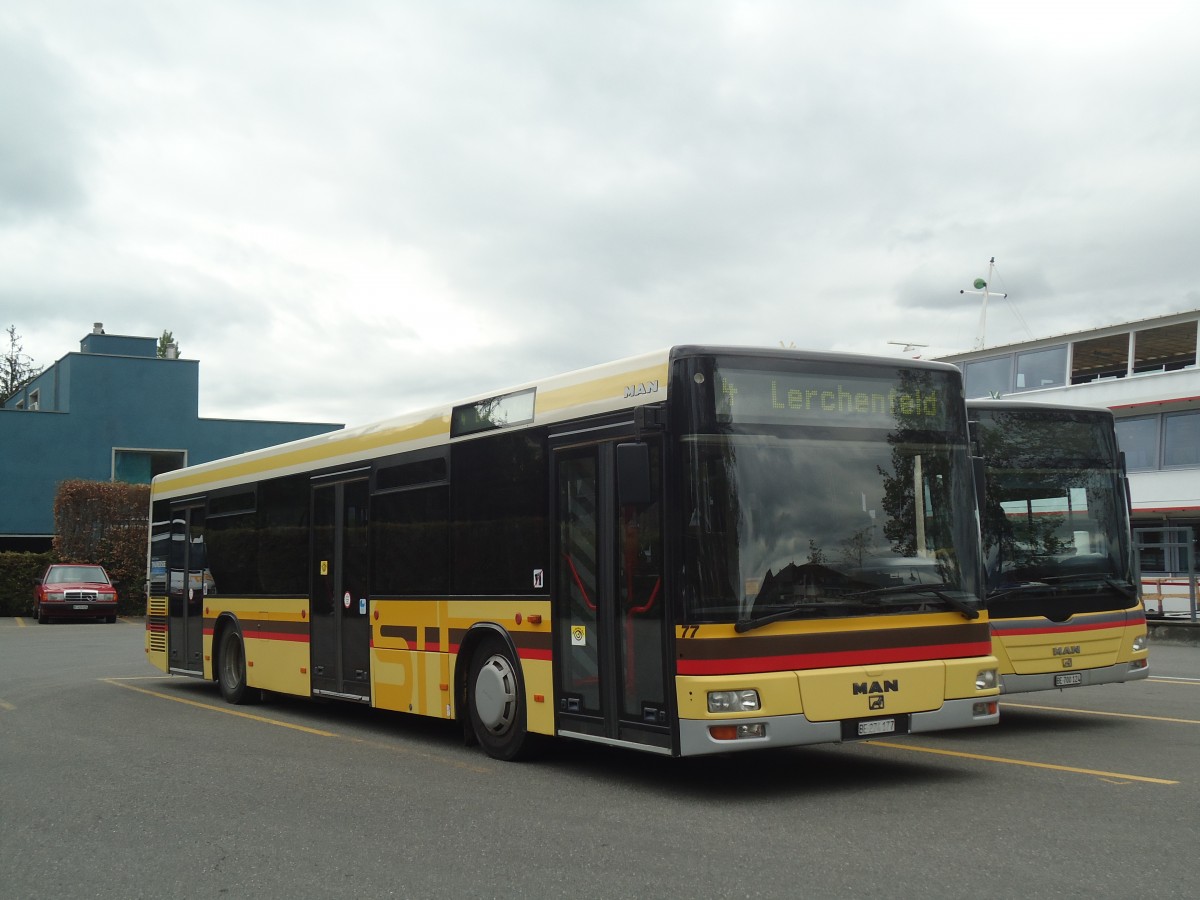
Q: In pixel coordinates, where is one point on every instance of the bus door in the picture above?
(609, 599)
(341, 631)
(187, 568)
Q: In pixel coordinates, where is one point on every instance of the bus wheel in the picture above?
(494, 700)
(231, 667)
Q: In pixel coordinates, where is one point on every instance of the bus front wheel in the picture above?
(231, 667)
(495, 702)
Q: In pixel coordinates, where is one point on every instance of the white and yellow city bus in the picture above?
(695, 551)
(1061, 592)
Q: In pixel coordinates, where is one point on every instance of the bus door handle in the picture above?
(579, 582)
(649, 604)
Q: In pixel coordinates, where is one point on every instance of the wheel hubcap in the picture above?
(496, 695)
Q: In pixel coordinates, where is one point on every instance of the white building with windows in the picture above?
(1146, 373)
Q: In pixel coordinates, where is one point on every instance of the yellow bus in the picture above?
(699, 550)
(1062, 595)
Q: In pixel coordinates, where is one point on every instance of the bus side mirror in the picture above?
(633, 475)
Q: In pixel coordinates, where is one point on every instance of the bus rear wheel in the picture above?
(495, 702)
(231, 667)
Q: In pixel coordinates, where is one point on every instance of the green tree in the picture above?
(167, 340)
(16, 366)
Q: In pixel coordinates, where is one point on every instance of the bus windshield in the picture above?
(828, 494)
(1055, 519)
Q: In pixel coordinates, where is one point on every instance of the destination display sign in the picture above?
(916, 399)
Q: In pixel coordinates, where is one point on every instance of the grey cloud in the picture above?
(42, 138)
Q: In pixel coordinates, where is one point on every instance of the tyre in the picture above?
(496, 702)
(231, 667)
(41, 615)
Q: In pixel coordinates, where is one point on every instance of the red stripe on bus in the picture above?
(828, 660)
(276, 636)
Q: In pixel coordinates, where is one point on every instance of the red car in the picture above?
(69, 591)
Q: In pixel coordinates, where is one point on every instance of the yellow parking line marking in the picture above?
(6, 706)
(20, 622)
(120, 682)
(1175, 679)
(1097, 712)
(1022, 762)
(221, 709)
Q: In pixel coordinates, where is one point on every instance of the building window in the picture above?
(1165, 349)
(35, 399)
(1042, 368)
(989, 377)
(139, 466)
(1160, 442)
(1138, 439)
(1181, 439)
(1152, 550)
(1106, 357)
(1165, 551)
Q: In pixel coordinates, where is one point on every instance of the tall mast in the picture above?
(981, 287)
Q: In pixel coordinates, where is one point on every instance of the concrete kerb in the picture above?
(1168, 631)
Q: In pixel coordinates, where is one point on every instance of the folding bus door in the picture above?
(341, 631)
(187, 584)
(609, 610)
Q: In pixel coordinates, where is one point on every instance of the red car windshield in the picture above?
(67, 574)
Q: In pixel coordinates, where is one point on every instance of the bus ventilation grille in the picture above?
(156, 624)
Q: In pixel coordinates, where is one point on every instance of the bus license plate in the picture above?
(876, 726)
(80, 606)
(1066, 680)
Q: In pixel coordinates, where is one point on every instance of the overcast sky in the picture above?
(348, 210)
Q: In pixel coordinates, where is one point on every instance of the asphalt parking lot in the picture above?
(116, 781)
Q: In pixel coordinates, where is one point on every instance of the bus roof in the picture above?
(1003, 403)
(595, 390)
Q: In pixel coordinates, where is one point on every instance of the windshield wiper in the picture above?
(747, 623)
(1127, 591)
(1025, 587)
(1057, 585)
(938, 590)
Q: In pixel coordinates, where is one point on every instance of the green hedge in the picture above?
(17, 572)
(102, 522)
(105, 522)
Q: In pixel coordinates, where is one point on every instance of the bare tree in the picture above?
(16, 366)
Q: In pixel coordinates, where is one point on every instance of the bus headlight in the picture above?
(985, 680)
(732, 701)
(1139, 643)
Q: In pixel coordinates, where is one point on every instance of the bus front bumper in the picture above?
(698, 737)
(1068, 678)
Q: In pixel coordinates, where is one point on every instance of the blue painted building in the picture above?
(113, 411)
